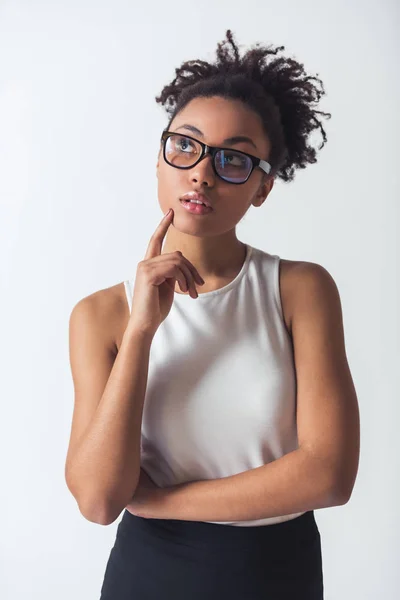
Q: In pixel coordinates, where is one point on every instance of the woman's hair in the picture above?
(278, 90)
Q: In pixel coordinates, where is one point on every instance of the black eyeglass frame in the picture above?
(212, 150)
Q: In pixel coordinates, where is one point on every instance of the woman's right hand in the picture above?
(155, 282)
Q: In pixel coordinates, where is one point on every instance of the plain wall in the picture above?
(79, 133)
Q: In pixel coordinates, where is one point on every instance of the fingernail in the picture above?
(167, 213)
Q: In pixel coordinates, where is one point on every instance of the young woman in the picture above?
(213, 397)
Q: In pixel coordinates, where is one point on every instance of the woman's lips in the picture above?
(196, 209)
(193, 195)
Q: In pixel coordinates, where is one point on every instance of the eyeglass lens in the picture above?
(232, 166)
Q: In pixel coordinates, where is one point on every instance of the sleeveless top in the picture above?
(221, 388)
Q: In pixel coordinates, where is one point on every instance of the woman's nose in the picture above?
(203, 172)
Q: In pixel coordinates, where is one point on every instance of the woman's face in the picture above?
(217, 119)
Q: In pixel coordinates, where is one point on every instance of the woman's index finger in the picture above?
(155, 245)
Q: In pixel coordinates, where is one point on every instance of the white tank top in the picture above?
(221, 389)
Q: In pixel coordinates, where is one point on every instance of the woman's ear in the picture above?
(158, 162)
(263, 191)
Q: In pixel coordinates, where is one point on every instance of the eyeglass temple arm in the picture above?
(265, 166)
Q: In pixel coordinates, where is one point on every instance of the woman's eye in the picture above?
(233, 159)
(184, 145)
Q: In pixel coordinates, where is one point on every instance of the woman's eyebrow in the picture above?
(236, 139)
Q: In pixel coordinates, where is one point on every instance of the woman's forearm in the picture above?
(295, 482)
(104, 470)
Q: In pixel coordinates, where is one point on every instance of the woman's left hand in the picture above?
(146, 499)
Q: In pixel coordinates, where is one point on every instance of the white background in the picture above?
(79, 131)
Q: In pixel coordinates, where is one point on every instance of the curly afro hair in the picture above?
(277, 89)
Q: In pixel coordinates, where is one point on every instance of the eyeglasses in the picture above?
(184, 152)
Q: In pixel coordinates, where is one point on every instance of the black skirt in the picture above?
(165, 559)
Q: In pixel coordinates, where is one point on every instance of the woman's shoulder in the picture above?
(110, 308)
(294, 276)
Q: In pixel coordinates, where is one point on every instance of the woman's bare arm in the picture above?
(103, 462)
